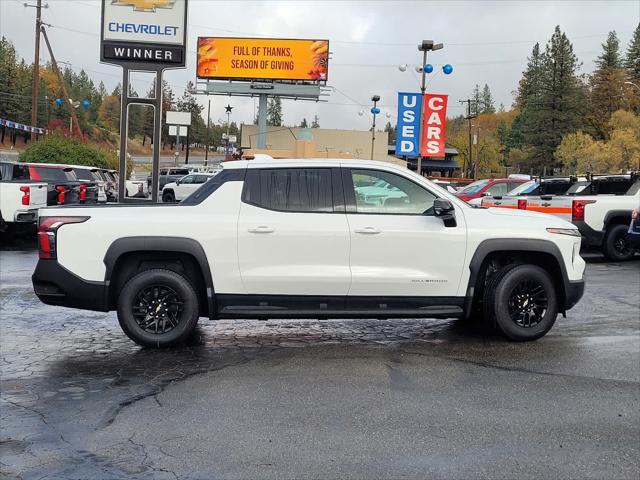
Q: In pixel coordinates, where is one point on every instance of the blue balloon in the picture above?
(86, 104)
(428, 68)
(375, 110)
(58, 101)
(447, 69)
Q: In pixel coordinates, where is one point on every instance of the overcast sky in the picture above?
(486, 42)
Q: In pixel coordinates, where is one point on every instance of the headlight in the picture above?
(565, 231)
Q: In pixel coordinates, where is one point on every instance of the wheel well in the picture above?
(494, 261)
(131, 263)
(619, 220)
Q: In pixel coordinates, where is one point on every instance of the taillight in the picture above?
(47, 230)
(577, 209)
(522, 204)
(83, 192)
(26, 195)
(61, 193)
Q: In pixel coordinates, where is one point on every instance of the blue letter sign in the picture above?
(408, 124)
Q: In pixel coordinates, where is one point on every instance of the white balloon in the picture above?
(403, 67)
(361, 112)
(418, 69)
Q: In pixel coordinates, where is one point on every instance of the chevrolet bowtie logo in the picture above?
(145, 5)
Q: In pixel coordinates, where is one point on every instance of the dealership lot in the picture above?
(291, 399)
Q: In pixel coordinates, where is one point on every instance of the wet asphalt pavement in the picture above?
(320, 399)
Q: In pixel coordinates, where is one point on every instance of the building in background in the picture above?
(293, 142)
(434, 167)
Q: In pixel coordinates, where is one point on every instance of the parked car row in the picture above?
(600, 206)
(26, 187)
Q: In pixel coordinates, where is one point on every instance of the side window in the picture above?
(499, 188)
(201, 179)
(163, 172)
(290, 189)
(188, 179)
(388, 193)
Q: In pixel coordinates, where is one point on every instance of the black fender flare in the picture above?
(493, 245)
(158, 244)
(611, 214)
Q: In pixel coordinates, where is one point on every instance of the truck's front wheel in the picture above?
(523, 301)
(158, 308)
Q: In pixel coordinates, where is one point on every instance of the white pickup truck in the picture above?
(599, 207)
(20, 200)
(293, 238)
(182, 188)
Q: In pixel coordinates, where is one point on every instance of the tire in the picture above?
(615, 246)
(168, 197)
(176, 304)
(523, 302)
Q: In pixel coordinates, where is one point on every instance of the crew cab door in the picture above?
(398, 246)
(292, 236)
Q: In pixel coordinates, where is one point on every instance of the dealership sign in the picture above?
(433, 126)
(144, 31)
(414, 114)
(262, 59)
(408, 127)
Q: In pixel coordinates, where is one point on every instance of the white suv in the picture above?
(297, 238)
(182, 188)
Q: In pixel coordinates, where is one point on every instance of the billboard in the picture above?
(226, 58)
(144, 31)
(408, 126)
(434, 124)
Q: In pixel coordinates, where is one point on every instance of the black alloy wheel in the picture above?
(528, 303)
(157, 309)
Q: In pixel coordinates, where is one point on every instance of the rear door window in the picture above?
(84, 175)
(290, 189)
(52, 174)
(498, 188)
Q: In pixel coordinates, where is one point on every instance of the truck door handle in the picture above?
(261, 229)
(367, 230)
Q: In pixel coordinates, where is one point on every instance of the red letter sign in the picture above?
(433, 125)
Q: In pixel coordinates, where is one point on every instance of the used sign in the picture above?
(408, 126)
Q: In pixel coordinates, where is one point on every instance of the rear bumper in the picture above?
(55, 285)
(574, 292)
(590, 237)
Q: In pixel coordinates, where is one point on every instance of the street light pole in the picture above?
(374, 110)
(206, 148)
(424, 47)
(36, 63)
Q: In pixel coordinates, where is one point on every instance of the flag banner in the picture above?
(20, 126)
(408, 125)
(434, 125)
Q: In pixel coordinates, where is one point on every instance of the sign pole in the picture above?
(423, 89)
(262, 121)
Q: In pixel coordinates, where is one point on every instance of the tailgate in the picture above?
(558, 206)
(500, 202)
(38, 195)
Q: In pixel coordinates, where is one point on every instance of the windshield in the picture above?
(524, 188)
(475, 187)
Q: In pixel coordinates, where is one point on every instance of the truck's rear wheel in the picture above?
(158, 308)
(616, 246)
(522, 300)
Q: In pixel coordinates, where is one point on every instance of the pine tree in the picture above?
(632, 60)
(316, 122)
(487, 100)
(274, 112)
(610, 57)
(530, 86)
(476, 100)
(606, 83)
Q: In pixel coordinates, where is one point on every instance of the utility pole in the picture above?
(65, 95)
(36, 64)
(206, 148)
(469, 116)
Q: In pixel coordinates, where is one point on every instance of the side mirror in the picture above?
(177, 182)
(486, 194)
(443, 208)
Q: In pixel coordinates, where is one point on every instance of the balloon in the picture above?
(375, 110)
(447, 69)
(403, 67)
(58, 101)
(361, 112)
(86, 104)
(428, 68)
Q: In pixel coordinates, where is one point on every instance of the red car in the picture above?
(489, 186)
